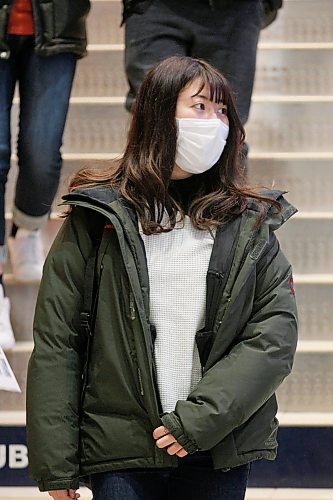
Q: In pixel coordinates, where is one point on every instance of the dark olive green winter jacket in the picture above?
(60, 26)
(98, 414)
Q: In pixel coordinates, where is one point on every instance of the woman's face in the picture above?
(191, 105)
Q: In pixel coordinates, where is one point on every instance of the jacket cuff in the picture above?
(173, 424)
(58, 484)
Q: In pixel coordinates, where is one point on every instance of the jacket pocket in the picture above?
(113, 437)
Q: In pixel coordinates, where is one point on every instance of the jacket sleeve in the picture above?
(242, 381)
(55, 367)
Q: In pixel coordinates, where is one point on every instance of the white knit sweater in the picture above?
(177, 266)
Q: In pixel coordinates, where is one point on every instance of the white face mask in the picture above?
(200, 143)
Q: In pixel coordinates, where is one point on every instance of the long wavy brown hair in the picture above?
(143, 175)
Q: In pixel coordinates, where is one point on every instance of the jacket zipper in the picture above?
(140, 382)
(132, 307)
(133, 317)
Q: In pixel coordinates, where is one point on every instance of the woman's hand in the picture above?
(64, 494)
(166, 440)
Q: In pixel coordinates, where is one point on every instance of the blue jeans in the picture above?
(45, 85)
(225, 34)
(193, 479)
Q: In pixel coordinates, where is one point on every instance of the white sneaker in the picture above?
(7, 339)
(26, 255)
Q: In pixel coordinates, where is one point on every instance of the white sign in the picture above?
(8, 381)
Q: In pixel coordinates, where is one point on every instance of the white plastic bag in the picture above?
(8, 380)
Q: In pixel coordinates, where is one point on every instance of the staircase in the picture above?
(291, 147)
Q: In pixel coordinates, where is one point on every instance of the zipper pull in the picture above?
(216, 274)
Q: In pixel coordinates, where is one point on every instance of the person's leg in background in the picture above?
(228, 40)
(151, 36)
(7, 88)
(195, 478)
(45, 85)
(220, 32)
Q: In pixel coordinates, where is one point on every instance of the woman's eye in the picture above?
(200, 105)
(222, 111)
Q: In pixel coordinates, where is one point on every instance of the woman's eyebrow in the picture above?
(200, 96)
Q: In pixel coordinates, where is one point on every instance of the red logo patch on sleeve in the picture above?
(291, 284)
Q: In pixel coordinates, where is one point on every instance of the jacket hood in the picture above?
(97, 195)
(275, 218)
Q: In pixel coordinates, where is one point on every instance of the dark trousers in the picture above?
(45, 85)
(223, 32)
(193, 479)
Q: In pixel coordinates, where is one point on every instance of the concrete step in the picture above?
(30, 493)
(309, 181)
(310, 386)
(308, 244)
(274, 127)
(104, 22)
(294, 72)
(290, 127)
(307, 241)
(286, 419)
(314, 301)
(301, 21)
(101, 74)
(279, 72)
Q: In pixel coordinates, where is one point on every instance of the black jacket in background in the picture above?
(60, 26)
(139, 6)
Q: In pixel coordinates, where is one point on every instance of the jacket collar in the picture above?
(104, 196)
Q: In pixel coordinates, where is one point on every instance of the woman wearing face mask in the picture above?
(166, 317)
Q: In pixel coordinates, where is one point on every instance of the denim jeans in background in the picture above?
(193, 479)
(45, 85)
(223, 32)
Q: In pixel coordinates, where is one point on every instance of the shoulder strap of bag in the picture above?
(219, 267)
(90, 298)
(90, 276)
(88, 293)
(218, 271)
